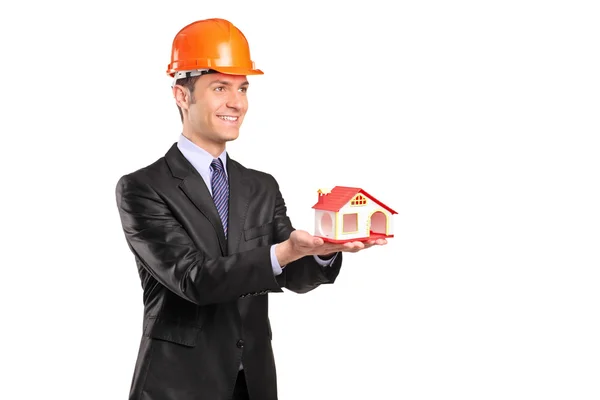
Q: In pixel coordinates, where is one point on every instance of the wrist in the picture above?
(285, 253)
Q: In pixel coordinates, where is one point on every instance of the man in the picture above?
(211, 238)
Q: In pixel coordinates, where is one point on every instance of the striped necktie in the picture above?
(220, 190)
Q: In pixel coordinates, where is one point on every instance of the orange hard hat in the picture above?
(210, 44)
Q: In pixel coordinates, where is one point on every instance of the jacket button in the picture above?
(240, 343)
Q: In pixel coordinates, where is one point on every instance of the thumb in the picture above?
(303, 238)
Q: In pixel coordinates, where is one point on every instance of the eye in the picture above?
(244, 89)
(220, 88)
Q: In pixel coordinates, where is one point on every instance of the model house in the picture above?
(345, 214)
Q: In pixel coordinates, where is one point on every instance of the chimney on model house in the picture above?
(322, 193)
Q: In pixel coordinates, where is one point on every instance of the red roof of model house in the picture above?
(340, 196)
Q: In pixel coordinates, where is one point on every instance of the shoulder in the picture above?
(142, 178)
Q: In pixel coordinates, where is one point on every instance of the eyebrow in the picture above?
(227, 83)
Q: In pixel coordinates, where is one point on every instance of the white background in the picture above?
(477, 121)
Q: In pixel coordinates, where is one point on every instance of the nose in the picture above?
(236, 100)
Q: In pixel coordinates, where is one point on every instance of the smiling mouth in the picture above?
(228, 118)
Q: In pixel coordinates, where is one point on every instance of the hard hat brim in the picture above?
(238, 71)
(228, 71)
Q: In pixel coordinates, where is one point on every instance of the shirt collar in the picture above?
(198, 157)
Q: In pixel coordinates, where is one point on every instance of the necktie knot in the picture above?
(217, 165)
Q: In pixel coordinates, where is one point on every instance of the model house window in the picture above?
(350, 223)
(359, 200)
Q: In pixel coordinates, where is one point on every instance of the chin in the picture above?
(229, 136)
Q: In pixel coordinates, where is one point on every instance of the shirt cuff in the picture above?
(325, 263)
(274, 262)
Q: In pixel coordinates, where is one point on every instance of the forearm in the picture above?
(203, 280)
(166, 250)
(300, 273)
(305, 274)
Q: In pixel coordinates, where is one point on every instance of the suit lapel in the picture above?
(195, 189)
(239, 198)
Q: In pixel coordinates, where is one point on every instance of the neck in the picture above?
(213, 148)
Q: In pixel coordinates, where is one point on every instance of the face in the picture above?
(216, 109)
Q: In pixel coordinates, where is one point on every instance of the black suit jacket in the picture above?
(205, 297)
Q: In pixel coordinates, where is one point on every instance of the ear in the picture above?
(182, 97)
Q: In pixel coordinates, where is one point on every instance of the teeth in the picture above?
(228, 118)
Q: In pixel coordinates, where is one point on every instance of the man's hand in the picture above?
(302, 243)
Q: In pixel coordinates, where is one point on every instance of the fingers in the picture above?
(354, 247)
(309, 244)
(378, 242)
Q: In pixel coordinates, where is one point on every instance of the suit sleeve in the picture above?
(168, 253)
(304, 274)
